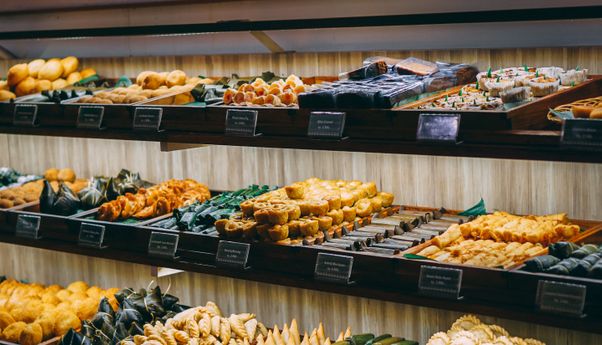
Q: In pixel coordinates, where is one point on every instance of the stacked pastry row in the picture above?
(499, 239)
(31, 313)
(304, 210)
(280, 93)
(40, 75)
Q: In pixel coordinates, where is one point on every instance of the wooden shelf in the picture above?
(495, 292)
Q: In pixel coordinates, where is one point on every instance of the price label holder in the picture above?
(28, 226)
(334, 268)
(440, 282)
(561, 298)
(582, 132)
(438, 128)
(90, 116)
(25, 115)
(148, 118)
(91, 235)
(326, 125)
(163, 245)
(241, 122)
(232, 254)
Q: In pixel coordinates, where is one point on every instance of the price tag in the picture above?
(561, 298)
(583, 132)
(28, 226)
(232, 254)
(333, 268)
(90, 116)
(146, 118)
(25, 115)
(440, 282)
(163, 244)
(438, 127)
(241, 122)
(329, 125)
(91, 235)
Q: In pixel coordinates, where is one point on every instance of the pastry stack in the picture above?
(303, 211)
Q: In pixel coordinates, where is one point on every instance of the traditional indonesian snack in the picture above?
(499, 239)
(154, 201)
(39, 75)
(32, 313)
(280, 93)
(11, 178)
(201, 216)
(151, 85)
(589, 108)
(304, 210)
(570, 259)
(32, 191)
(512, 85)
(385, 82)
(111, 325)
(469, 330)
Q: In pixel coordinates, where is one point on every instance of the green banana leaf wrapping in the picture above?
(47, 198)
(66, 202)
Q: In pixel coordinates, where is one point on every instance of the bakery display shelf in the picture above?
(53, 341)
(503, 293)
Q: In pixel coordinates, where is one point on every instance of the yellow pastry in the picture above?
(52, 70)
(35, 66)
(73, 78)
(59, 84)
(25, 87)
(16, 74)
(70, 65)
(87, 72)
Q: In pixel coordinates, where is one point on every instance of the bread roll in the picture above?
(52, 70)
(17, 73)
(141, 76)
(26, 87)
(4, 85)
(43, 85)
(163, 77)
(59, 84)
(6, 95)
(70, 65)
(35, 66)
(74, 78)
(176, 77)
(596, 114)
(582, 111)
(87, 72)
(151, 81)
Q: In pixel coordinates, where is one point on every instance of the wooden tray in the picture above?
(594, 102)
(53, 341)
(526, 116)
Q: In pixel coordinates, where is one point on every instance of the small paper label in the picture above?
(147, 118)
(28, 226)
(582, 132)
(438, 127)
(333, 268)
(242, 122)
(90, 116)
(440, 282)
(163, 245)
(232, 254)
(25, 114)
(561, 298)
(91, 235)
(329, 125)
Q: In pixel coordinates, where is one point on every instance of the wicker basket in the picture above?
(592, 102)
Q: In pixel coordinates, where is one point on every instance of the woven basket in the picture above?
(592, 102)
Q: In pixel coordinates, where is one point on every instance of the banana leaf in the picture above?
(105, 307)
(169, 301)
(119, 334)
(93, 195)
(66, 203)
(154, 302)
(477, 210)
(135, 329)
(128, 314)
(47, 198)
(74, 338)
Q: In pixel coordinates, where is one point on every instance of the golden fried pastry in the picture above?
(12, 332)
(65, 321)
(66, 175)
(31, 335)
(25, 87)
(70, 65)
(16, 74)
(5, 319)
(43, 85)
(35, 66)
(59, 84)
(175, 77)
(52, 70)
(73, 78)
(5, 95)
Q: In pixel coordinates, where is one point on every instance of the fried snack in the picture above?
(70, 65)
(259, 93)
(87, 72)
(43, 85)
(66, 175)
(31, 335)
(52, 70)
(16, 74)
(5, 95)
(59, 84)
(34, 67)
(175, 77)
(154, 201)
(12, 332)
(25, 87)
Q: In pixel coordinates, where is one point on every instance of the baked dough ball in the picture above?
(43, 85)
(596, 114)
(5, 319)
(52, 174)
(63, 295)
(87, 72)
(52, 70)
(68, 175)
(31, 335)
(163, 77)
(176, 77)
(17, 73)
(141, 76)
(4, 85)
(74, 78)
(6, 95)
(151, 81)
(12, 333)
(64, 321)
(85, 308)
(35, 66)
(59, 84)
(70, 64)
(25, 87)
(47, 325)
